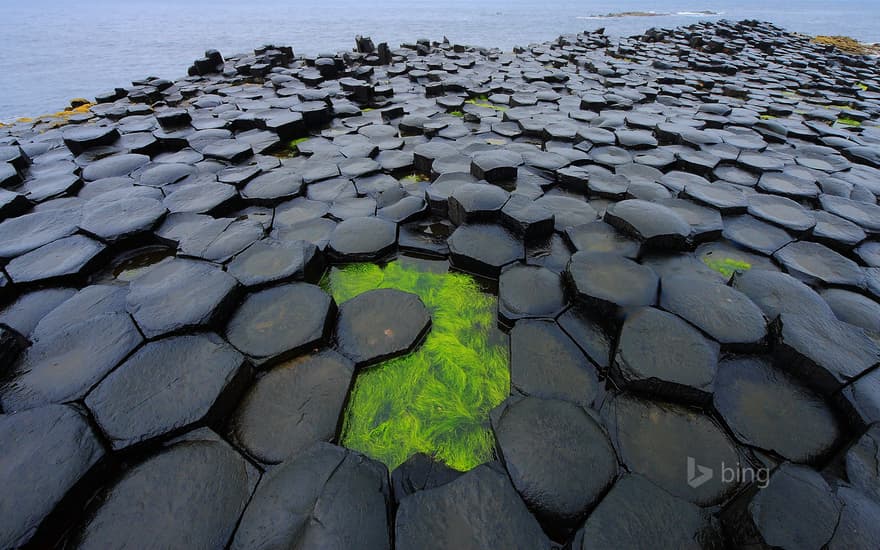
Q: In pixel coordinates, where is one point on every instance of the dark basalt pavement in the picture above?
(682, 227)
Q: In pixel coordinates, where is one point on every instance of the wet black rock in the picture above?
(637, 514)
(381, 324)
(561, 486)
(661, 355)
(529, 291)
(610, 282)
(797, 509)
(823, 351)
(180, 294)
(166, 386)
(268, 261)
(81, 138)
(65, 364)
(775, 292)
(324, 497)
(495, 166)
(140, 510)
(293, 406)
(859, 521)
(25, 313)
(280, 322)
(853, 308)
(660, 441)
(751, 233)
(483, 249)
(420, 472)
(47, 451)
(68, 258)
(362, 239)
(769, 409)
(720, 311)
(120, 219)
(598, 236)
(114, 166)
(655, 225)
(781, 211)
(527, 218)
(478, 510)
(814, 262)
(473, 202)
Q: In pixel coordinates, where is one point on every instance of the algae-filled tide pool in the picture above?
(435, 400)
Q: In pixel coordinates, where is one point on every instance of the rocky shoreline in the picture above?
(680, 230)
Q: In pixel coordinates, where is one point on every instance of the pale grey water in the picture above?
(51, 51)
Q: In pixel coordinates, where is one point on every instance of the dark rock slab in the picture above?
(781, 211)
(420, 472)
(200, 198)
(25, 313)
(143, 509)
(853, 308)
(484, 249)
(546, 363)
(655, 225)
(610, 282)
(66, 364)
(797, 509)
(598, 236)
(588, 334)
(268, 261)
(166, 386)
(114, 166)
(637, 514)
(526, 218)
(362, 239)
(495, 166)
(720, 311)
(81, 138)
(273, 187)
(659, 354)
(769, 409)
(751, 233)
(473, 202)
(324, 497)
(561, 486)
(116, 220)
(293, 406)
(529, 291)
(725, 197)
(67, 258)
(776, 292)
(657, 440)
(88, 303)
(179, 294)
(31, 231)
(280, 322)
(859, 525)
(822, 351)
(47, 451)
(860, 462)
(813, 262)
(478, 510)
(866, 215)
(381, 324)
(706, 223)
(567, 211)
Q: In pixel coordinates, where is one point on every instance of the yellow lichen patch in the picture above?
(727, 266)
(415, 177)
(862, 87)
(848, 45)
(486, 104)
(767, 117)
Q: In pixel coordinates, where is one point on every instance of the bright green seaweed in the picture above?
(727, 266)
(437, 399)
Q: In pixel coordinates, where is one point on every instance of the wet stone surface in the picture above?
(668, 241)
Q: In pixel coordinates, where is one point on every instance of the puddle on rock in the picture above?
(437, 399)
(140, 262)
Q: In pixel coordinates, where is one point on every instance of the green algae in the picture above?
(486, 104)
(415, 177)
(767, 117)
(849, 121)
(437, 399)
(459, 114)
(727, 266)
(862, 87)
